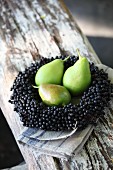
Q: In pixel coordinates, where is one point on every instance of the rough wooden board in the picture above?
(29, 30)
(14, 58)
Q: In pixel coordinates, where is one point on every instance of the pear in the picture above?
(51, 73)
(54, 95)
(77, 78)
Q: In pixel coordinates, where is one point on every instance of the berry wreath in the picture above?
(34, 113)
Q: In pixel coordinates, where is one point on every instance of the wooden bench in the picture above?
(29, 30)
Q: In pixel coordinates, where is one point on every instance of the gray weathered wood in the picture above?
(29, 30)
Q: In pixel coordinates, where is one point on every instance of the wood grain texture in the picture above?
(28, 31)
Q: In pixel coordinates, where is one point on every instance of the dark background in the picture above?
(95, 18)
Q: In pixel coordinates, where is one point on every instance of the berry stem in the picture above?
(78, 52)
(66, 58)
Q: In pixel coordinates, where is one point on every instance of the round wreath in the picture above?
(34, 113)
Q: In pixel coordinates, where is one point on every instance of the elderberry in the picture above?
(34, 113)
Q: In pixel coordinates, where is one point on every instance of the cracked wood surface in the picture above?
(28, 31)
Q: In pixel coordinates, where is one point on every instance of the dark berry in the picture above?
(34, 113)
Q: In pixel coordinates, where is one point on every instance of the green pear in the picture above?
(77, 78)
(54, 95)
(50, 73)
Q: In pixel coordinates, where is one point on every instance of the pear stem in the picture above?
(66, 58)
(36, 87)
(78, 52)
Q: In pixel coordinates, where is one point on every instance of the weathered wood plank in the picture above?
(60, 23)
(26, 35)
(14, 58)
(34, 33)
(16, 126)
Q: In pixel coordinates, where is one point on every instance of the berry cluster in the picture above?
(34, 113)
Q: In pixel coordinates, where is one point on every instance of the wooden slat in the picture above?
(29, 30)
(15, 57)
